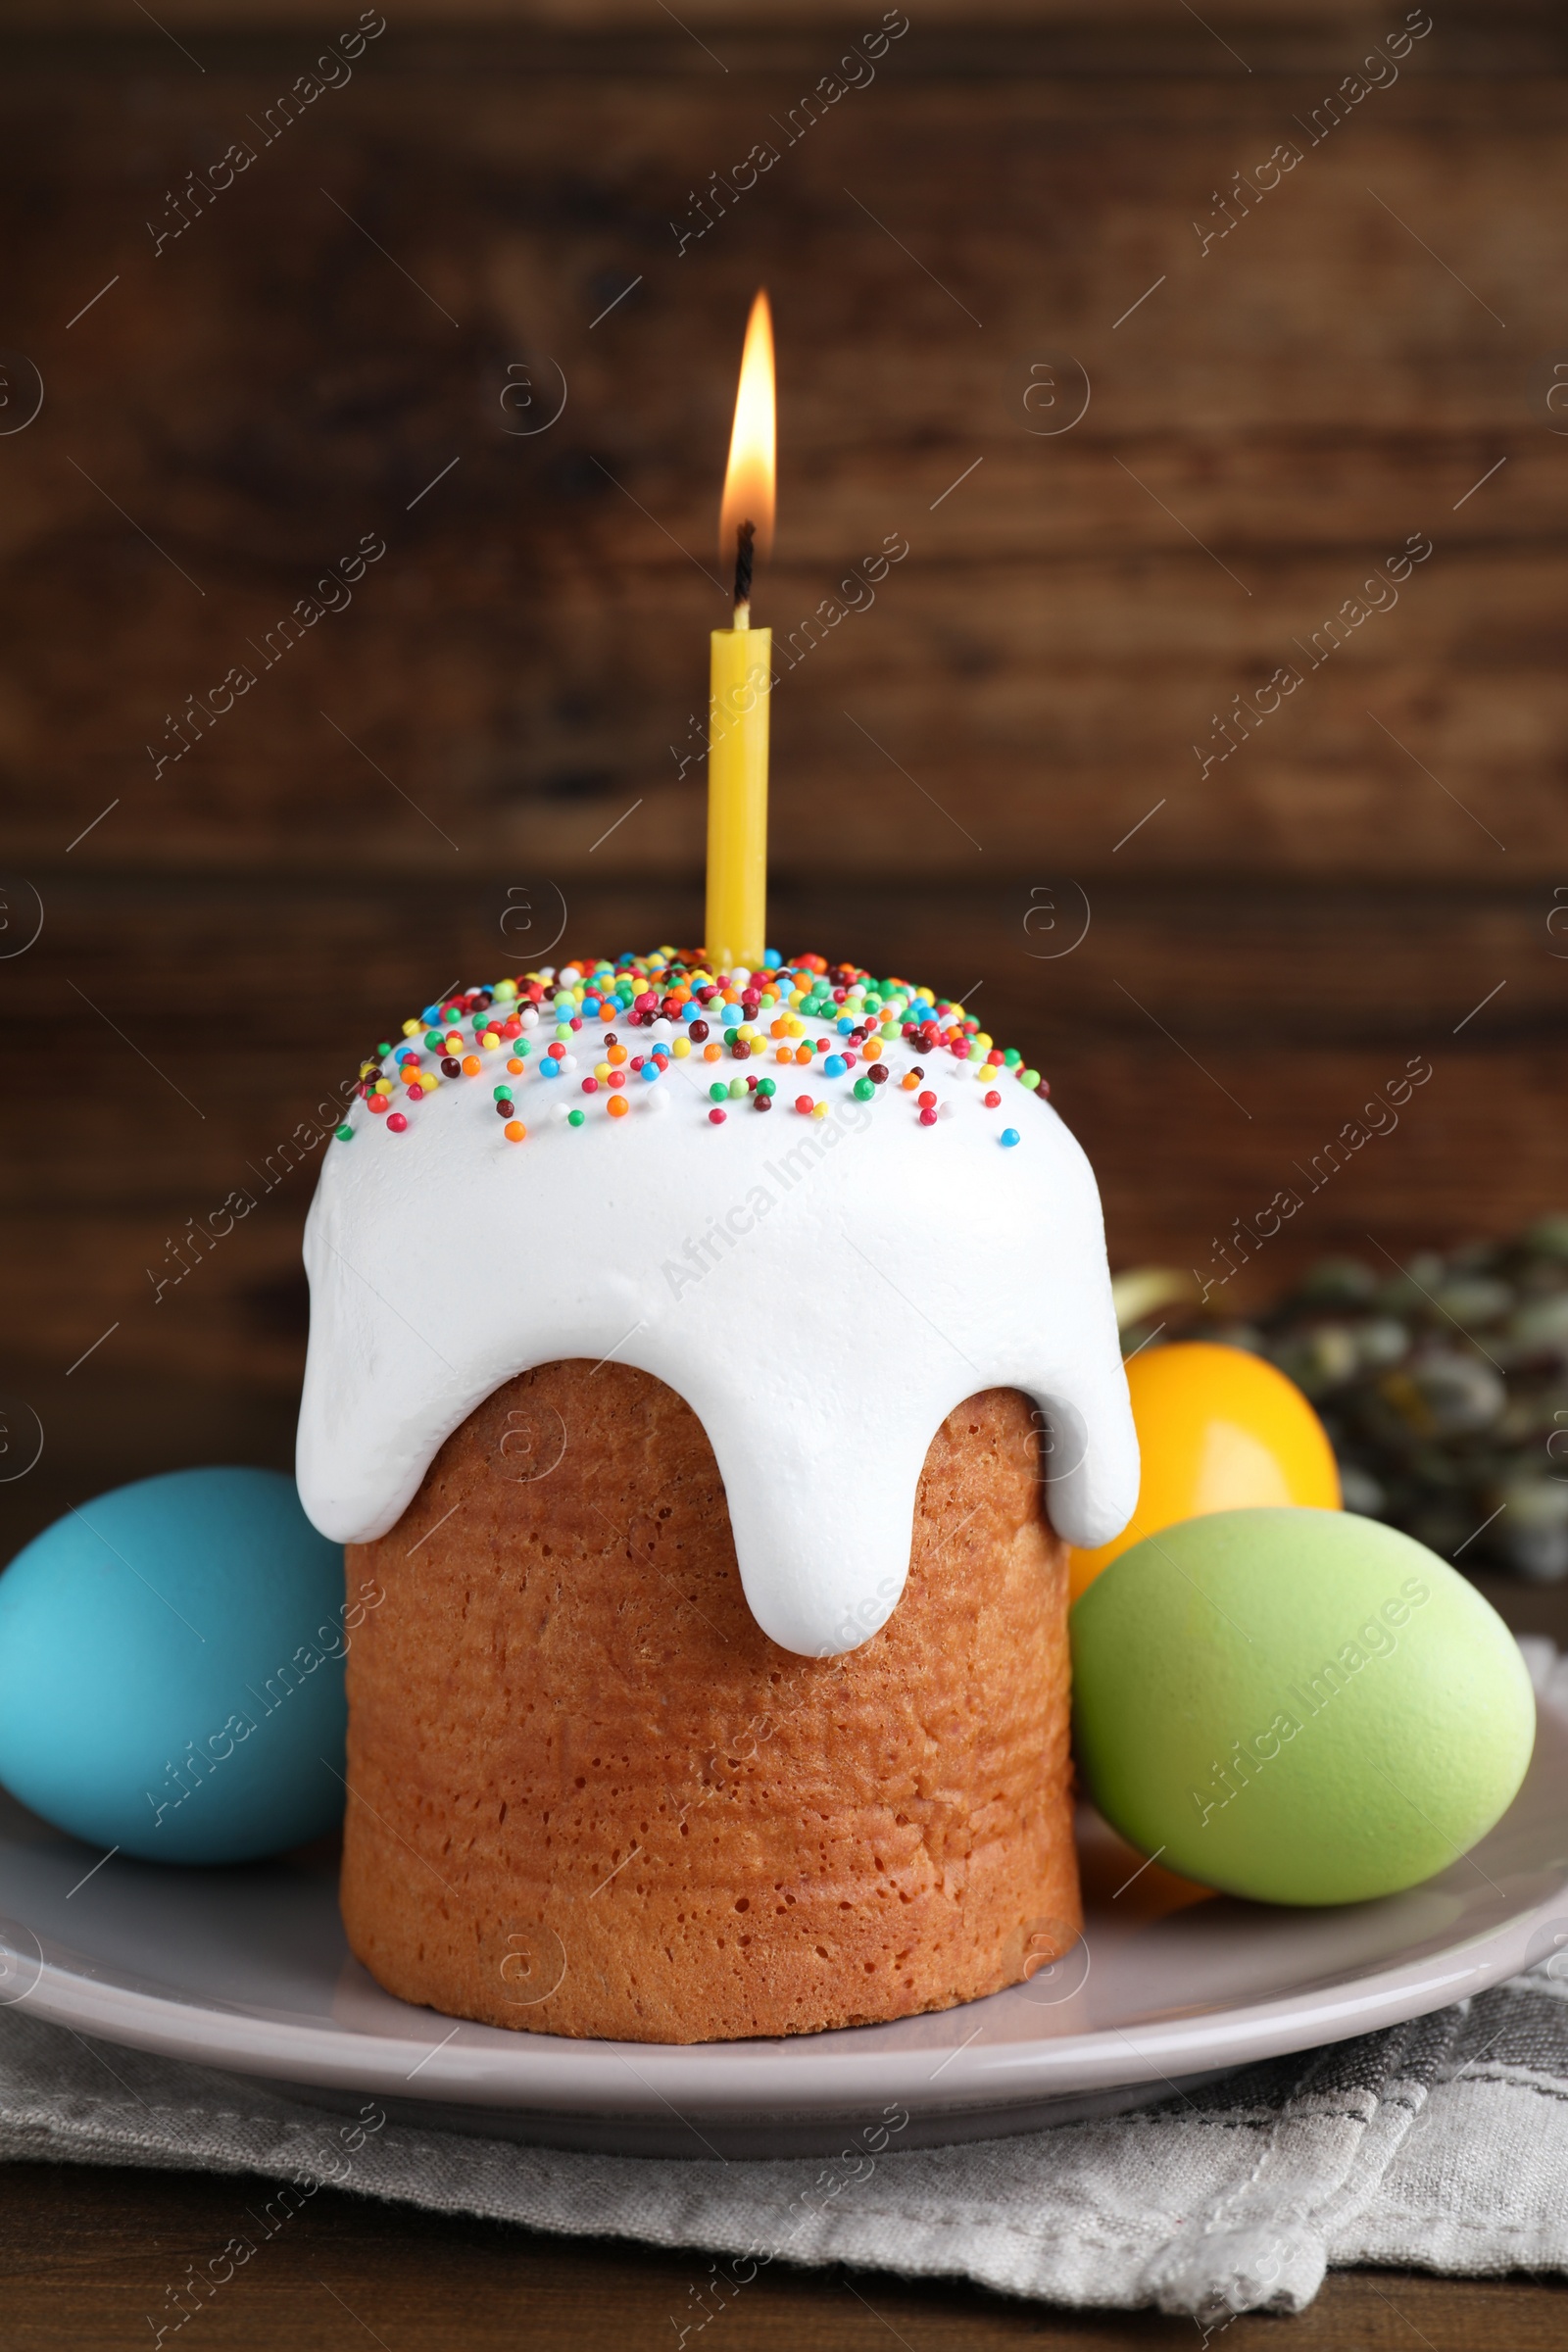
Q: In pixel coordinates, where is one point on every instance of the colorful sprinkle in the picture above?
(859, 1032)
(516, 1131)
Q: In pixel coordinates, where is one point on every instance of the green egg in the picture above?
(1297, 1705)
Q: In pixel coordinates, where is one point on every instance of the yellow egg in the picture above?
(1218, 1430)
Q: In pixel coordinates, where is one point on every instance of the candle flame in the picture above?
(750, 474)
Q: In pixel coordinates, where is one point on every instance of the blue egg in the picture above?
(171, 1669)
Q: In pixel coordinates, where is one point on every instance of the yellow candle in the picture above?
(739, 679)
(740, 676)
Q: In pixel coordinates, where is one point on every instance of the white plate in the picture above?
(247, 1970)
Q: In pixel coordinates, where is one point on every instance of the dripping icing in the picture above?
(821, 1288)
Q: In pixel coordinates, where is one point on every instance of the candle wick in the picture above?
(745, 536)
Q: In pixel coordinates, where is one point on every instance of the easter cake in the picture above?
(693, 1357)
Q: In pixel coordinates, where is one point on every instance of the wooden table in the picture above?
(84, 2256)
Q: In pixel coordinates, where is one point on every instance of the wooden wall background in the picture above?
(222, 940)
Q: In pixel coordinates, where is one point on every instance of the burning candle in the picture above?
(740, 675)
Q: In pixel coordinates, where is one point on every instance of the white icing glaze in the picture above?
(822, 1291)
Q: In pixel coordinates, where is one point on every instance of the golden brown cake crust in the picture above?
(589, 1796)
